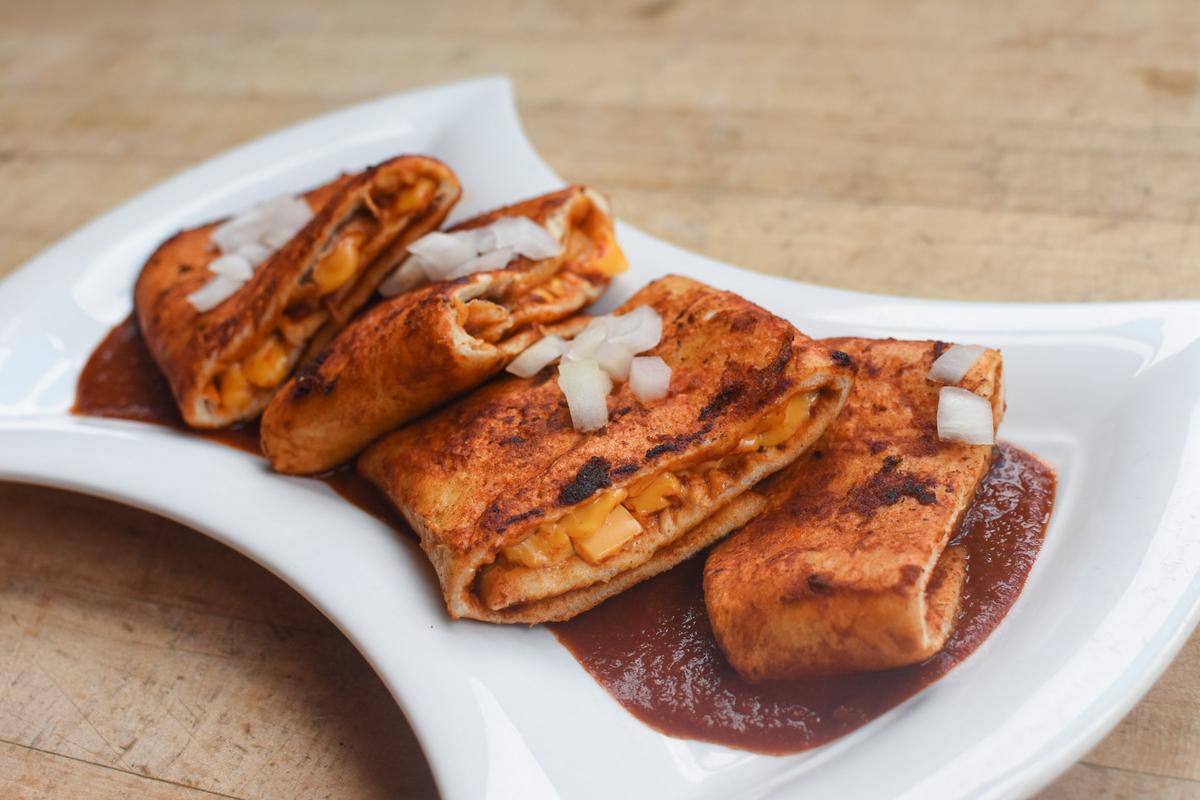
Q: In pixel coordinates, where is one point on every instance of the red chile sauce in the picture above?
(651, 647)
(121, 380)
(653, 650)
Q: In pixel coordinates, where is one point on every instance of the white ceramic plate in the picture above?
(1110, 394)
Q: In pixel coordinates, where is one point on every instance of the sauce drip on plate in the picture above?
(652, 648)
(121, 380)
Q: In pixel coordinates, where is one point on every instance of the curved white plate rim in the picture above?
(474, 739)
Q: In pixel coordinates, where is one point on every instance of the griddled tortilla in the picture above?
(850, 569)
(509, 499)
(418, 351)
(223, 365)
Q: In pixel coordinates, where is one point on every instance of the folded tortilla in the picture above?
(850, 570)
(527, 520)
(223, 365)
(420, 350)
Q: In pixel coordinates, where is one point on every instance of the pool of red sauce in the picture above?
(121, 380)
(651, 647)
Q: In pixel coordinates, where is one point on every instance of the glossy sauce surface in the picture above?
(652, 648)
(121, 380)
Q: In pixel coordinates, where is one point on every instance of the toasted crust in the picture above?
(849, 570)
(191, 347)
(483, 473)
(415, 352)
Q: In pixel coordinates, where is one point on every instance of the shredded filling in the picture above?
(615, 520)
(588, 239)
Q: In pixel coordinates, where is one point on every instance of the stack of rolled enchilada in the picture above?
(840, 495)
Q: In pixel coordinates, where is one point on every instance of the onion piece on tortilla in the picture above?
(270, 224)
(218, 289)
(537, 356)
(649, 378)
(964, 417)
(586, 387)
(495, 259)
(234, 265)
(440, 253)
(953, 365)
(586, 343)
(640, 329)
(614, 359)
(525, 237)
(255, 253)
(409, 276)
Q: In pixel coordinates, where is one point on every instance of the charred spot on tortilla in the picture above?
(842, 358)
(591, 478)
(888, 487)
(513, 520)
(679, 442)
(662, 449)
(818, 583)
(726, 396)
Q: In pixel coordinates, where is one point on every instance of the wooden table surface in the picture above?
(1024, 150)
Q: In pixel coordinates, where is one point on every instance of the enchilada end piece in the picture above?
(223, 364)
(423, 348)
(527, 520)
(852, 568)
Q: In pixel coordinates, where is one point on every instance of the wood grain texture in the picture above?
(1023, 150)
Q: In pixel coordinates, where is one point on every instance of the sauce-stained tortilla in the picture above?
(526, 519)
(224, 364)
(850, 569)
(418, 351)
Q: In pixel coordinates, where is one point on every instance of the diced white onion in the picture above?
(441, 252)
(614, 359)
(277, 239)
(586, 387)
(481, 238)
(234, 265)
(964, 416)
(953, 365)
(599, 354)
(218, 289)
(271, 224)
(600, 323)
(445, 256)
(236, 233)
(245, 241)
(254, 253)
(649, 378)
(585, 344)
(525, 237)
(496, 259)
(640, 329)
(409, 276)
(537, 356)
(286, 213)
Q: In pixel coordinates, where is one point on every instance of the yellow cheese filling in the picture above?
(268, 365)
(598, 528)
